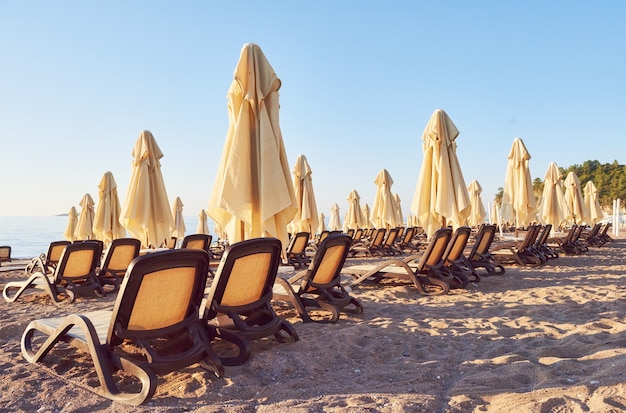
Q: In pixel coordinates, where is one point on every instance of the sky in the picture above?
(360, 79)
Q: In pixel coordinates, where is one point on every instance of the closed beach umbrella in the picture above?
(106, 225)
(574, 198)
(354, 216)
(203, 226)
(384, 212)
(179, 221)
(334, 224)
(321, 223)
(366, 215)
(253, 193)
(554, 210)
(146, 213)
(518, 200)
(441, 196)
(306, 218)
(72, 220)
(84, 227)
(592, 204)
(399, 215)
(477, 209)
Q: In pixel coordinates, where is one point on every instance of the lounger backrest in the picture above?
(408, 235)
(379, 237)
(78, 261)
(543, 238)
(197, 242)
(55, 250)
(5, 253)
(328, 262)
(120, 254)
(392, 235)
(435, 250)
(161, 293)
(358, 234)
(529, 239)
(245, 276)
(484, 239)
(457, 244)
(298, 243)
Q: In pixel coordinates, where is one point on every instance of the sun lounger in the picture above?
(75, 273)
(425, 275)
(319, 287)
(480, 257)
(154, 327)
(238, 307)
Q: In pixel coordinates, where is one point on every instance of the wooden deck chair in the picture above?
(479, 256)
(567, 243)
(319, 287)
(238, 308)
(425, 274)
(154, 328)
(197, 241)
(520, 253)
(5, 254)
(75, 272)
(455, 262)
(406, 242)
(369, 247)
(120, 254)
(296, 250)
(358, 234)
(47, 262)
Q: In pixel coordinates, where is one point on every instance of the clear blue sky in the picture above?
(360, 79)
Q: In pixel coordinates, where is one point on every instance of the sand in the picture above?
(549, 339)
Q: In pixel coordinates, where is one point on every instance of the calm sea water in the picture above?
(30, 236)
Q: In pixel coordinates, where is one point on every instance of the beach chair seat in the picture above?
(238, 307)
(5, 254)
(319, 287)
(120, 254)
(46, 262)
(154, 327)
(75, 273)
(479, 256)
(296, 251)
(423, 271)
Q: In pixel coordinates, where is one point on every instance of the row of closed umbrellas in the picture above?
(254, 194)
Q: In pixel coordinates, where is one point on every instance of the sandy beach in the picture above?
(548, 339)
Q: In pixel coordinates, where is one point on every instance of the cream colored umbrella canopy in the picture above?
(106, 225)
(321, 224)
(70, 230)
(592, 204)
(203, 225)
(574, 198)
(84, 227)
(146, 213)
(441, 196)
(518, 199)
(334, 223)
(477, 209)
(366, 214)
(384, 212)
(306, 218)
(179, 221)
(354, 216)
(253, 194)
(399, 214)
(554, 210)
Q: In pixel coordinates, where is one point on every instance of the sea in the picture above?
(30, 236)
